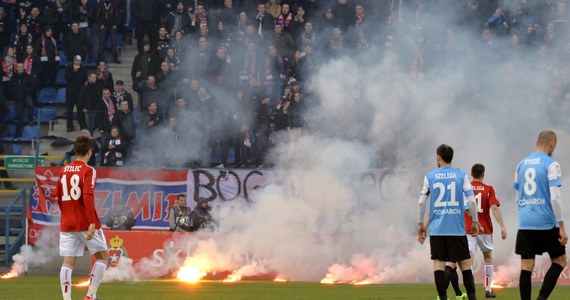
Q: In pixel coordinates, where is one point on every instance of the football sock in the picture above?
(441, 284)
(469, 282)
(488, 277)
(65, 280)
(451, 275)
(525, 286)
(550, 279)
(96, 276)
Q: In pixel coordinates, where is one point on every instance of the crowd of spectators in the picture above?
(233, 76)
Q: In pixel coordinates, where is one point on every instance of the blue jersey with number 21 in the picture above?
(534, 176)
(446, 187)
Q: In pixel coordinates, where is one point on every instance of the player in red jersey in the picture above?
(80, 225)
(486, 202)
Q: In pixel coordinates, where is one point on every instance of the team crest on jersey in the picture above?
(116, 251)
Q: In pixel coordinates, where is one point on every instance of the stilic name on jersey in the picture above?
(478, 188)
(448, 211)
(532, 201)
(72, 169)
(534, 161)
(445, 175)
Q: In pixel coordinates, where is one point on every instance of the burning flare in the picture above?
(232, 278)
(190, 274)
(363, 282)
(10, 275)
(280, 278)
(83, 283)
(328, 280)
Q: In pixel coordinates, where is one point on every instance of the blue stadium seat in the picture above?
(63, 59)
(47, 95)
(10, 114)
(29, 132)
(60, 96)
(9, 134)
(60, 79)
(46, 113)
(16, 149)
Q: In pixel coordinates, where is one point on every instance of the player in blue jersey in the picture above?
(445, 187)
(541, 226)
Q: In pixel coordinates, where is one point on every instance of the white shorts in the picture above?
(483, 241)
(73, 243)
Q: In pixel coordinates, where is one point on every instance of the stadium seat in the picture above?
(60, 96)
(16, 149)
(60, 79)
(62, 59)
(30, 132)
(9, 133)
(46, 113)
(10, 114)
(47, 95)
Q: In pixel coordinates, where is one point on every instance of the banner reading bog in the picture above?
(148, 193)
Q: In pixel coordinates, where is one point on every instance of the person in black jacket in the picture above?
(147, 13)
(125, 121)
(108, 18)
(89, 95)
(261, 131)
(21, 88)
(76, 76)
(76, 42)
(46, 47)
(201, 218)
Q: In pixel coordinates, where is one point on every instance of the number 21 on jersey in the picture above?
(441, 193)
(73, 192)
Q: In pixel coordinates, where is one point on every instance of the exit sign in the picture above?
(22, 162)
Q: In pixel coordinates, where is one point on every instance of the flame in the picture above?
(363, 282)
(495, 286)
(328, 280)
(83, 283)
(10, 275)
(280, 278)
(190, 274)
(232, 278)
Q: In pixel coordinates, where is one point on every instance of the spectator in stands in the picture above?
(151, 120)
(173, 60)
(104, 76)
(32, 66)
(22, 40)
(201, 218)
(76, 42)
(121, 94)
(108, 17)
(307, 39)
(261, 130)
(75, 76)
(164, 75)
(96, 150)
(106, 111)
(274, 73)
(21, 89)
(178, 20)
(179, 215)
(285, 18)
(83, 15)
(163, 42)
(113, 149)
(6, 27)
(46, 47)
(273, 8)
(180, 110)
(148, 17)
(264, 22)
(89, 96)
(58, 16)
(298, 23)
(9, 63)
(150, 92)
(283, 41)
(35, 22)
(125, 122)
(200, 57)
(202, 18)
(180, 44)
(144, 64)
(120, 217)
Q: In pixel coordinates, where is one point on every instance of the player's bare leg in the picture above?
(97, 273)
(65, 276)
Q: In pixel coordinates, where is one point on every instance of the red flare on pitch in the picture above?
(232, 278)
(83, 283)
(280, 278)
(363, 282)
(10, 275)
(328, 280)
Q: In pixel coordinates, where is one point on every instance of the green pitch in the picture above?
(47, 287)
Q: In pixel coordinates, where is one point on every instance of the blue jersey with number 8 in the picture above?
(534, 176)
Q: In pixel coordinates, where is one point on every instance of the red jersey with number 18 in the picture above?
(75, 197)
(485, 197)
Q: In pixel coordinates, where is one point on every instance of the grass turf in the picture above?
(47, 287)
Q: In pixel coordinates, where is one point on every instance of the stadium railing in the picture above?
(14, 234)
